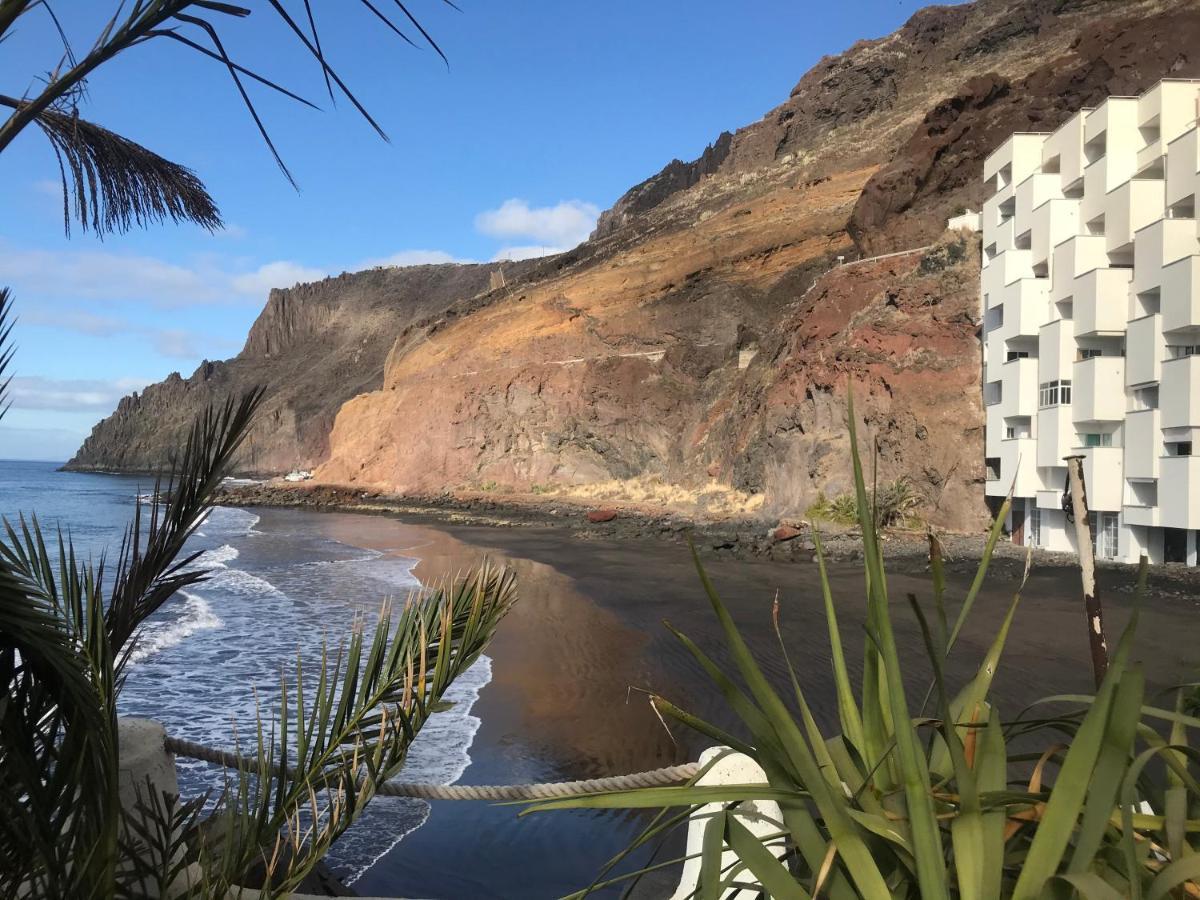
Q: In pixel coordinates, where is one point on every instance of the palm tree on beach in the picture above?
(68, 627)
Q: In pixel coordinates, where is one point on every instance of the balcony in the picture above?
(1010, 266)
(1020, 392)
(1144, 350)
(1033, 192)
(1179, 393)
(1073, 257)
(1151, 155)
(1180, 299)
(1095, 190)
(1026, 307)
(1066, 143)
(1102, 477)
(1183, 162)
(1143, 443)
(1179, 496)
(1101, 303)
(1053, 222)
(1056, 350)
(1150, 516)
(1055, 436)
(1018, 466)
(993, 430)
(1158, 245)
(1130, 207)
(1099, 390)
(1049, 499)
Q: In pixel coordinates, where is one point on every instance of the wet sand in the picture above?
(588, 627)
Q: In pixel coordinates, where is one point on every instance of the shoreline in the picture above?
(722, 537)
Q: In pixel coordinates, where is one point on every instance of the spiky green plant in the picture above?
(67, 628)
(956, 804)
(893, 503)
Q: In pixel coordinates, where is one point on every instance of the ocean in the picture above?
(204, 656)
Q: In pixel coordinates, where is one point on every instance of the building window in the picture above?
(1178, 351)
(1054, 393)
(1090, 352)
(1104, 535)
(1103, 439)
(1017, 354)
(1035, 528)
(993, 393)
(1009, 432)
(1180, 448)
(993, 468)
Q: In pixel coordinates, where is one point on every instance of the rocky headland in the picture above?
(694, 355)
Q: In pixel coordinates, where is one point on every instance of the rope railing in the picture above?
(665, 777)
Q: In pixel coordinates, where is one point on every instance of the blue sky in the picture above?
(546, 114)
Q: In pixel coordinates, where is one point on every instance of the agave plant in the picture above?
(960, 803)
(67, 628)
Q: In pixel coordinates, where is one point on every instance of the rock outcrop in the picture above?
(935, 174)
(313, 347)
(698, 349)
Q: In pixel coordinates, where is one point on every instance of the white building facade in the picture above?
(1091, 325)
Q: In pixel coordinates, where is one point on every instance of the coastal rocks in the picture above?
(785, 533)
(597, 516)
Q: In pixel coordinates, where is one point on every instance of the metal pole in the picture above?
(1087, 568)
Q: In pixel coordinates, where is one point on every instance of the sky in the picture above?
(546, 113)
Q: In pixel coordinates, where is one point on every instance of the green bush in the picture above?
(959, 803)
(893, 504)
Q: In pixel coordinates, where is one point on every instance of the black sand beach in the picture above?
(588, 628)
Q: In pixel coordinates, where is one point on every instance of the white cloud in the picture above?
(528, 251)
(414, 258)
(170, 342)
(103, 275)
(175, 343)
(70, 394)
(563, 225)
(281, 274)
(76, 320)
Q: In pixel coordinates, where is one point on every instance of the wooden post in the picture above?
(1087, 568)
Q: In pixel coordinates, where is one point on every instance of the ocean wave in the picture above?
(440, 755)
(216, 557)
(230, 521)
(195, 614)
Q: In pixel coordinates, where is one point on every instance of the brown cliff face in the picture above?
(683, 354)
(314, 346)
(936, 173)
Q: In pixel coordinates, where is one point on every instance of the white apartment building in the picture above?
(1091, 325)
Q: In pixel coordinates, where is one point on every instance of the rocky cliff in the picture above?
(313, 347)
(697, 349)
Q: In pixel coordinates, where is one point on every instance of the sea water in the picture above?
(201, 661)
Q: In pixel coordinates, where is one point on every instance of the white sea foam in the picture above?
(195, 614)
(440, 755)
(217, 557)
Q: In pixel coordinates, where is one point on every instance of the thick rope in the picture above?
(654, 778)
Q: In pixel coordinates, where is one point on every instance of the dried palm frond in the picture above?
(114, 183)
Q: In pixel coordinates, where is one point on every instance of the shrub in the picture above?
(900, 805)
(894, 504)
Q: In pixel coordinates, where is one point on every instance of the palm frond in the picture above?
(111, 183)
